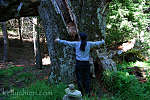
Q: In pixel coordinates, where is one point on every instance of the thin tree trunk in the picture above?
(5, 36)
(20, 30)
(37, 50)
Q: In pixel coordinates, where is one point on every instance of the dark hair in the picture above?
(83, 37)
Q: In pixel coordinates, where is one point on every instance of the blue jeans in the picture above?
(82, 70)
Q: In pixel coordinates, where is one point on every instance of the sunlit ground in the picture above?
(142, 64)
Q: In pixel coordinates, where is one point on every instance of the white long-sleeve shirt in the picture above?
(82, 55)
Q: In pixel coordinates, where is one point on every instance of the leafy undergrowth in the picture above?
(24, 83)
(124, 65)
(119, 85)
(20, 77)
(40, 90)
(125, 86)
(10, 71)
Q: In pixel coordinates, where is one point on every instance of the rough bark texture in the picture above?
(62, 67)
(91, 15)
(47, 14)
(86, 12)
(61, 56)
(90, 19)
(106, 61)
(64, 8)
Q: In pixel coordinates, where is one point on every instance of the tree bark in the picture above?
(5, 36)
(48, 15)
(20, 29)
(63, 61)
(62, 57)
(37, 50)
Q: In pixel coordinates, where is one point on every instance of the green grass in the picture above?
(40, 90)
(26, 77)
(124, 65)
(16, 69)
(142, 64)
(120, 83)
(104, 97)
(125, 86)
(10, 71)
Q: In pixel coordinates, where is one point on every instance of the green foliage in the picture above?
(124, 65)
(10, 71)
(15, 68)
(126, 20)
(90, 98)
(132, 55)
(26, 77)
(108, 97)
(40, 90)
(125, 86)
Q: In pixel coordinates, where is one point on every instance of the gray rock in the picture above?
(106, 61)
(72, 93)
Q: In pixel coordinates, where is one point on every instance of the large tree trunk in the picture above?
(48, 16)
(62, 67)
(86, 12)
(62, 61)
(37, 50)
(5, 36)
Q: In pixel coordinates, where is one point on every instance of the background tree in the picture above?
(37, 50)
(5, 36)
(20, 29)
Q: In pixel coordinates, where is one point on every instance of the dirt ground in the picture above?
(22, 55)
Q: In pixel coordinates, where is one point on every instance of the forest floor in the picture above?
(21, 57)
(20, 70)
(21, 67)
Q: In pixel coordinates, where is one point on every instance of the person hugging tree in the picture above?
(82, 67)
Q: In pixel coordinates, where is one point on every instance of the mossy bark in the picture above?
(63, 57)
(60, 56)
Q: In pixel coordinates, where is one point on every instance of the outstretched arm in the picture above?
(69, 43)
(97, 43)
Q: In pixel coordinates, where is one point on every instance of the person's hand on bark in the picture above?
(56, 40)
